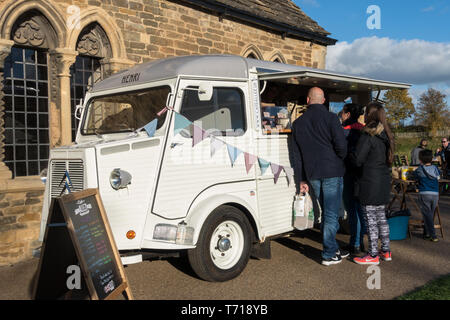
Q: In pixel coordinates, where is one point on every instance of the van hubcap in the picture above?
(227, 244)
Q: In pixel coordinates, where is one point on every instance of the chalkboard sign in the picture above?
(78, 232)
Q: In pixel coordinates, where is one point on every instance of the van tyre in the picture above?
(223, 246)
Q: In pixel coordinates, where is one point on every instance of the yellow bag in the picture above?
(407, 173)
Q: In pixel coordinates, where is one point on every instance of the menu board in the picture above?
(78, 233)
(94, 244)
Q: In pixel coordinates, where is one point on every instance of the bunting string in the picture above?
(181, 122)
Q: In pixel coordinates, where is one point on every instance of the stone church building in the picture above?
(53, 51)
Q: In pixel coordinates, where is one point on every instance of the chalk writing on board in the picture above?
(83, 208)
(94, 244)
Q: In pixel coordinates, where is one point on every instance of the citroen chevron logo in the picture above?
(67, 183)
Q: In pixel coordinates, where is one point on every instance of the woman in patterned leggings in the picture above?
(374, 154)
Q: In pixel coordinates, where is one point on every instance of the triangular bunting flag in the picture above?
(216, 144)
(150, 127)
(233, 153)
(276, 170)
(180, 123)
(199, 135)
(263, 165)
(289, 174)
(249, 161)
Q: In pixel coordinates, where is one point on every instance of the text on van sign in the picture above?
(131, 78)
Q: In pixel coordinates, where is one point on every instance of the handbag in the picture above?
(303, 212)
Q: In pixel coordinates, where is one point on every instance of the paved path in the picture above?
(294, 272)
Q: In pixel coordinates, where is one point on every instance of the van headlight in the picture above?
(119, 179)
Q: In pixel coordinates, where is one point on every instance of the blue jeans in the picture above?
(329, 193)
(354, 212)
(357, 225)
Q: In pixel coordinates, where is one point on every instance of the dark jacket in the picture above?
(319, 145)
(352, 132)
(374, 180)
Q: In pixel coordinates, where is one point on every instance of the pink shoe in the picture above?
(386, 256)
(368, 259)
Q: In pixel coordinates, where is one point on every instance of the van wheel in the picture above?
(223, 247)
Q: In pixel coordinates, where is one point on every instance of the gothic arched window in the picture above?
(26, 95)
(92, 46)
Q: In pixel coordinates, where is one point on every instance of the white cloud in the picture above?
(428, 9)
(312, 3)
(411, 61)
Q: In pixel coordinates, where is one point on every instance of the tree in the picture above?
(433, 111)
(399, 106)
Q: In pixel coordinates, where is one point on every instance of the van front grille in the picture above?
(60, 181)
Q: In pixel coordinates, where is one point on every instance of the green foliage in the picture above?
(433, 111)
(399, 106)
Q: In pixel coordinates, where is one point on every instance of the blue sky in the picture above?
(412, 45)
(400, 19)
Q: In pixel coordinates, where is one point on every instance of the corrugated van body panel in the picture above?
(275, 200)
(187, 171)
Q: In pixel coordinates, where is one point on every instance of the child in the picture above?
(427, 176)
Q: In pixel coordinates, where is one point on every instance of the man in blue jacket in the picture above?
(319, 150)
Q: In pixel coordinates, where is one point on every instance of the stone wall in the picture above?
(20, 215)
(154, 29)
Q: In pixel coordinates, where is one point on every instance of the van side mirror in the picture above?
(79, 110)
(205, 91)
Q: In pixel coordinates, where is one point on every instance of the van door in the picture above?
(187, 170)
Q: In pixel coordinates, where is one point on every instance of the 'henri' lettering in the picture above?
(131, 78)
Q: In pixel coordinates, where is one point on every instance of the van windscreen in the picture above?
(124, 112)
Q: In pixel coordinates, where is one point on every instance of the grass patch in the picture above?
(404, 146)
(438, 289)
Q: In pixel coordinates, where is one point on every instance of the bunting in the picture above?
(250, 160)
(276, 170)
(263, 165)
(289, 174)
(216, 144)
(150, 127)
(180, 123)
(233, 152)
(199, 135)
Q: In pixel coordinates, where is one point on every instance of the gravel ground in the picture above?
(294, 272)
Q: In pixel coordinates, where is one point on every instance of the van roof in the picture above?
(212, 66)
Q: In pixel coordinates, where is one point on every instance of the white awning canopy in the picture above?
(330, 80)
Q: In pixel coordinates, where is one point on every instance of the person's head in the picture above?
(426, 156)
(315, 96)
(423, 143)
(374, 116)
(444, 142)
(350, 113)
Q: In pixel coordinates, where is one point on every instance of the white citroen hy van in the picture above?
(162, 195)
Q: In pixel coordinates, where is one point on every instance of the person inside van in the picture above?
(319, 148)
